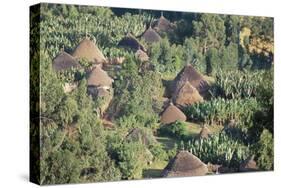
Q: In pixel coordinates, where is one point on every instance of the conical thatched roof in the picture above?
(248, 165)
(99, 77)
(186, 95)
(204, 133)
(185, 164)
(162, 25)
(151, 36)
(132, 43)
(172, 114)
(64, 61)
(142, 56)
(88, 50)
(142, 135)
(188, 73)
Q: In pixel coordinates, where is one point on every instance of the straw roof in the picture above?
(151, 36)
(185, 164)
(204, 133)
(131, 42)
(64, 61)
(88, 50)
(172, 114)
(186, 95)
(248, 165)
(162, 24)
(142, 56)
(99, 77)
(188, 73)
(145, 137)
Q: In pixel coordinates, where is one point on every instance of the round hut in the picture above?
(162, 25)
(186, 95)
(64, 61)
(172, 114)
(88, 50)
(99, 78)
(185, 164)
(142, 135)
(151, 36)
(130, 42)
(188, 73)
(142, 56)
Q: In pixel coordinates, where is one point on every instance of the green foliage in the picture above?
(167, 58)
(219, 149)
(264, 149)
(237, 84)
(176, 130)
(158, 152)
(132, 159)
(63, 168)
(75, 147)
(220, 111)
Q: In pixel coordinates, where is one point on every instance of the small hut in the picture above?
(186, 95)
(172, 114)
(185, 164)
(88, 50)
(99, 78)
(204, 133)
(142, 56)
(188, 73)
(142, 135)
(162, 25)
(248, 165)
(151, 36)
(64, 61)
(130, 42)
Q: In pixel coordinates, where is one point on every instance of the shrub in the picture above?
(265, 151)
(219, 149)
(177, 129)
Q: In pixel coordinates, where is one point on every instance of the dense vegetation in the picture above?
(234, 52)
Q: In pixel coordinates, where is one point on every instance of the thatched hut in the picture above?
(130, 42)
(99, 77)
(204, 133)
(65, 61)
(151, 36)
(188, 73)
(185, 164)
(141, 135)
(88, 50)
(142, 56)
(249, 165)
(172, 114)
(162, 25)
(186, 95)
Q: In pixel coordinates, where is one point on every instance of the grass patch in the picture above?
(155, 169)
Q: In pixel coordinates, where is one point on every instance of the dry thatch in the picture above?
(185, 164)
(99, 77)
(188, 73)
(172, 114)
(64, 61)
(141, 135)
(186, 95)
(162, 25)
(132, 43)
(151, 36)
(142, 56)
(204, 133)
(87, 50)
(248, 165)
